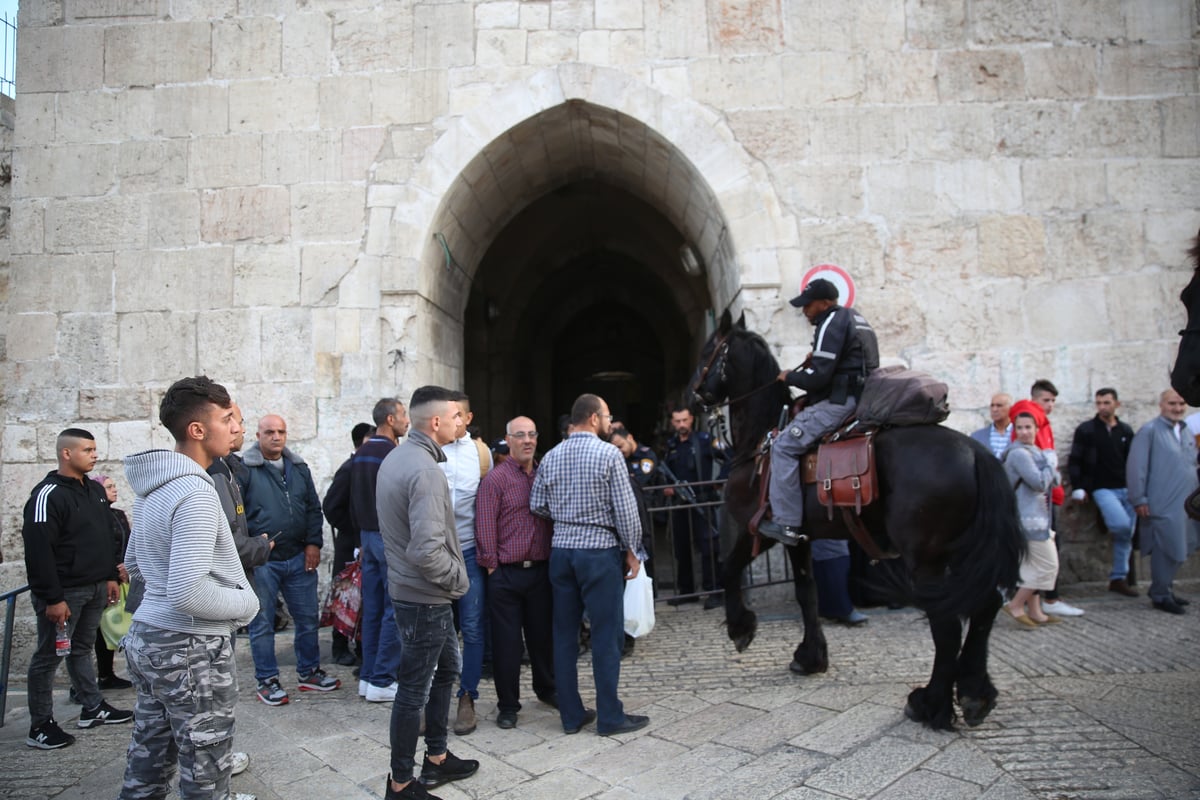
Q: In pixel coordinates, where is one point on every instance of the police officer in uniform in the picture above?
(844, 351)
(689, 458)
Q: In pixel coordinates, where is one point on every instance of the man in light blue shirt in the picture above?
(997, 436)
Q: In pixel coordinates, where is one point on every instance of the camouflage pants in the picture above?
(186, 688)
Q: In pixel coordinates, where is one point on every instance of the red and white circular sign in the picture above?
(835, 275)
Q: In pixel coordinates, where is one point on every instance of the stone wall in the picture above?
(251, 190)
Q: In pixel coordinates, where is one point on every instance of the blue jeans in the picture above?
(429, 667)
(380, 636)
(1119, 518)
(471, 618)
(299, 588)
(592, 581)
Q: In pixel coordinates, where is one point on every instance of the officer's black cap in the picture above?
(500, 447)
(818, 289)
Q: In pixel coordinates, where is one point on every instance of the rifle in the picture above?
(684, 491)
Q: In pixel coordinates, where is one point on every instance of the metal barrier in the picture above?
(8, 56)
(690, 530)
(10, 609)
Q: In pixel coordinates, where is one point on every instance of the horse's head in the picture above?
(1185, 376)
(709, 384)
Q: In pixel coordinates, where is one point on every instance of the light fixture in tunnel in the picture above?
(687, 257)
(615, 376)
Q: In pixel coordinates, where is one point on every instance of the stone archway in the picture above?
(579, 205)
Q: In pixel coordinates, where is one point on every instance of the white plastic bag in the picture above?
(639, 604)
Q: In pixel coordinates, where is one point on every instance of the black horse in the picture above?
(1185, 377)
(945, 506)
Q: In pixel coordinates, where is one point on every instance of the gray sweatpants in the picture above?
(787, 495)
(186, 689)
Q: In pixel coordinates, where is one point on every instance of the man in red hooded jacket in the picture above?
(1043, 395)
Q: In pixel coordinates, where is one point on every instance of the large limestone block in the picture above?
(745, 82)
(345, 101)
(41, 390)
(444, 35)
(90, 340)
(1062, 185)
(129, 437)
(360, 149)
(301, 157)
(174, 280)
(502, 14)
(500, 48)
(60, 59)
(552, 47)
(157, 346)
(825, 25)
(1098, 21)
(120, 402)
(1153, 311)
(106, 223)
(174, 219)
(901, 190)
(618, 14)
(148, 165)
(933, 251)
(266, 275)
(1012, 245)
(1168, 236)
(273, 105)
(258, 214)
(1012, 21)
(373, 40)
(328, 212)
(37, 114)
(572, 15)
(39, 283)
(229, 345)
(295, 402)
(935, 24)
(972, 377)
(1060, 73)
(404, 98)
(67, 171)
(1155, 184)
(907, 77)
(1166, 20)
(323, 267)
(991, 312)
(986, 76)
(112, 9)
(1036, 131)
(677, 29)
(31, 336)
(246, 47)
(824, 78)
(157, 52)
(103, 116)
(1181, 127)
(813, 190)
(19, 443)
(773, 136)
(307, 44)
(948, 132)
(741, 27)
(1149, 69)
(855, 245)
(221, 161)
(191, 110)
(1110, 129)
(1094, 243)
(287, 353)
(979, 186)
(868, 133)
(1067, 312)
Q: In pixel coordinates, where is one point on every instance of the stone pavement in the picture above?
(1103, 706)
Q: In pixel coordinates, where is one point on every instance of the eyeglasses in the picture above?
(604, 416)
(523, 434)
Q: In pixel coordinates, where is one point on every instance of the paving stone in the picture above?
(872, 767)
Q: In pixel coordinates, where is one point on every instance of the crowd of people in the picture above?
(456, 539)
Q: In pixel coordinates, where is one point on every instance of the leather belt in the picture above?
(523, 564)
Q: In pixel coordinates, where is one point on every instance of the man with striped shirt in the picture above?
(583, 487)
(513, 545)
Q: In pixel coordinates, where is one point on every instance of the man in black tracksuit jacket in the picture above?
(71, 557)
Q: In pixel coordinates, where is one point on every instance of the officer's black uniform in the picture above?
(689, 461)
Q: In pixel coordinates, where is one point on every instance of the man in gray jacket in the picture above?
(426, 571)
(180, 644)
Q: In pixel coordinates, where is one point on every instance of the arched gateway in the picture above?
(571, 236)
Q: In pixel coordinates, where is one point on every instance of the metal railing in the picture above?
(10, 609)
(690, 528)
(8, 54)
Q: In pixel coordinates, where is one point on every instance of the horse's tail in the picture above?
(989, 552)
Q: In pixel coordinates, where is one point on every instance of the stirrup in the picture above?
(785, 534)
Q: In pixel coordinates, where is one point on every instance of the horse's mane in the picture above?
(1194, 253)
(758, 412)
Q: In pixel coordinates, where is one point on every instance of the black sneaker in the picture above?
(413, 791)
(452, 769)
(113, 683)
(48, 736)
(103, 714)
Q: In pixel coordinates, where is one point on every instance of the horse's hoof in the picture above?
(976, 709)
(912, 713)
(807, 669)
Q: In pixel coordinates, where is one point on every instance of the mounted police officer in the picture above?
(844, 351)
(689, 458)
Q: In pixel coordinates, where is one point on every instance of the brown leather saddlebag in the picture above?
(846, 473)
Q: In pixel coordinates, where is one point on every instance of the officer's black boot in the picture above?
(788, 534)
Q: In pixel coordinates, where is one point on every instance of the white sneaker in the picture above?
(1061, 608)
(240, 762)
(382, 694)
(362, 688)
(242, 796)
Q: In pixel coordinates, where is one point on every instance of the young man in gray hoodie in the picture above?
(196, 596)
